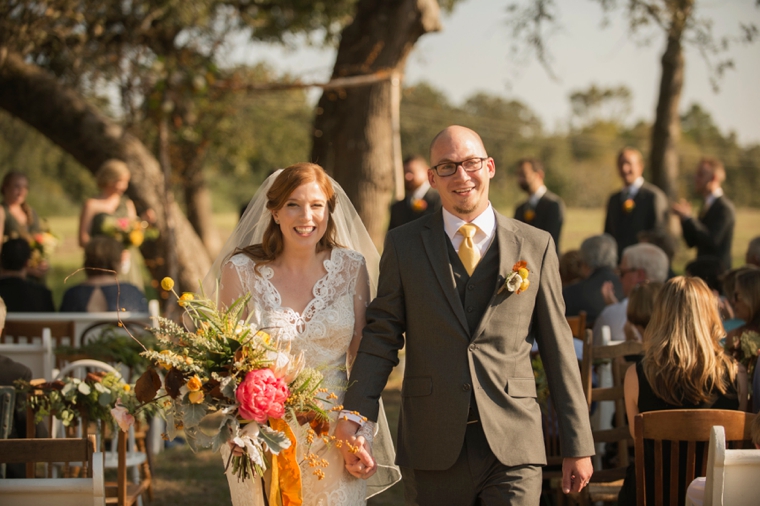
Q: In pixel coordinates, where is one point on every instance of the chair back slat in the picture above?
(675, 468)
(19, 332)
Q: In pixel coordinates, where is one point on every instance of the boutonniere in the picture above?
(419, 205)
(628, 205)
(517, 281)
(529, 215)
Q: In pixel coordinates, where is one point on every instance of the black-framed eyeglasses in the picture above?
(450, 168)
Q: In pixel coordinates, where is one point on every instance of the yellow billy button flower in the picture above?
(136, 237)
(523, 272)
(194, 384)
(127, 388)
(167, 283)
(195, 397)
(186, 297)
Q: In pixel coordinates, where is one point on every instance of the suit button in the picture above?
(469, 309)
(466, 387)
(470, 287)
(473, 347)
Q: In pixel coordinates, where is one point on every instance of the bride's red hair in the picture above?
(286, 183)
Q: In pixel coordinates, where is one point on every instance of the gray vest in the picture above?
(475, 291)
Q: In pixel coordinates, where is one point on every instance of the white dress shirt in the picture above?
(534, 198)
(420, 191)
(717, 193)
(633, 188)
(486, 223)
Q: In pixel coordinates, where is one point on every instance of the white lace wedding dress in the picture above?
(323, 332)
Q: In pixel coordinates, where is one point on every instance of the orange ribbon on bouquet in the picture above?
(285, 487)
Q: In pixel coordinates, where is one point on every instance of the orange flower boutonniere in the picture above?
(518, 280)
(419, 205)
(529, 215)
(628, 205)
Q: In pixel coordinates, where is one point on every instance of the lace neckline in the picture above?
(317, 292)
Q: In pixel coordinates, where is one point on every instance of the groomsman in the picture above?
(713, 230)
(638, 206)
(420, 198)
(543, 209)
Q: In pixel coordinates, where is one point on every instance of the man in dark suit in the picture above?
(470, 424)
(420, 198)
(712, 232)
(599, 255)
(638, 206)
(543, 209)
(19, 293)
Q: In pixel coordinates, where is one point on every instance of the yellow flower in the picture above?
(194, 384)
(136, 237)
(524, 286)
(264, 336)
(127, 388)
(187, 296)
(167, 283)
(195, 397)
(523, 272)
(189, 360)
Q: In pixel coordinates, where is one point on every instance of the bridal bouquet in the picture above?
(227, 380)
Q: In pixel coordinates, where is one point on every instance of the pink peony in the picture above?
(262, 395)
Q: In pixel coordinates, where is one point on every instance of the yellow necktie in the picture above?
(468, 253)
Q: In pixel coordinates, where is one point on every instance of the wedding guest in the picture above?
(640, 263)
(747, 307)
(599, 255)
(713, 230)
(683, 367)
(101, 292)
(639, 310)
(638, 206)
(752, 256)
(19, 293)
(420, 198)
(729, 288)
(664, 240)
(571, 267)
(543, 209)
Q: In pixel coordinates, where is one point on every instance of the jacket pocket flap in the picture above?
(417, 387)
(521, 387)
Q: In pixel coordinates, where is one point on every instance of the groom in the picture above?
(470, 424)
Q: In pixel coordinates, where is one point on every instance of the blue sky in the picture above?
(471, 54)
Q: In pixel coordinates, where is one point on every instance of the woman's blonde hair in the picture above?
(110, 172)
(683, 362)
(641, 303)
(286, 183)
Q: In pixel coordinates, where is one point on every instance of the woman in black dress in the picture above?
(684, 366)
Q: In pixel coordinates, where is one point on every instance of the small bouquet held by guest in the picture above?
(228, 381)
(43, 246)
(129, 232)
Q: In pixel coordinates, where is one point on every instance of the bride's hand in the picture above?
(355, 450)
(235, 449)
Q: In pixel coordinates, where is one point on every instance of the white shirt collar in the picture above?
(421, 191)
(634, 187)
(717, 193)
(485, 221)
(533, 199)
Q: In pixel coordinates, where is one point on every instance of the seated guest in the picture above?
(729, 288)
(747, 307)
(663, 240)
(570, 267)
(639, 310)
(20, 294)
(101, 292)
(640, 263)
(683, 367)
(599, 255)
(753, 252)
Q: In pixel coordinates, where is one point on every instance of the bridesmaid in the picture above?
(112, 179)
(17, 218)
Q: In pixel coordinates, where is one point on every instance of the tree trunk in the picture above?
(64, 117)
(352, 136)
(666, 131)
(198, 197)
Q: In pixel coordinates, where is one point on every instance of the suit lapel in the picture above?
(510, 245)
(434, 239)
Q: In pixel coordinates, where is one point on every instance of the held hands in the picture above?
(576, 473)
(355, 450)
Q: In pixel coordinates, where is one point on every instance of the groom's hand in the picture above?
(355, 450)
(576, 472)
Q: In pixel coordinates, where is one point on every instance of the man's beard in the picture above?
(468, 210)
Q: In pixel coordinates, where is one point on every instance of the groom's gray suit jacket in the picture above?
(448, 365)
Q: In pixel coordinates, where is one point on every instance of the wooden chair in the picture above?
(63, 491)
(677, 433)
(62, 332)
(577, 325)
(127, 492)
(606, 482)
(731, 474)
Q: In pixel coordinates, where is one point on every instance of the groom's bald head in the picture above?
(450, 133)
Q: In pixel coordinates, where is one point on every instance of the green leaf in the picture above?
(84, 388)
(192, 414)
(212, 422)
(276, 441)
(105, 399)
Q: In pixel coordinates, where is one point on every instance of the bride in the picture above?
(290, 251)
